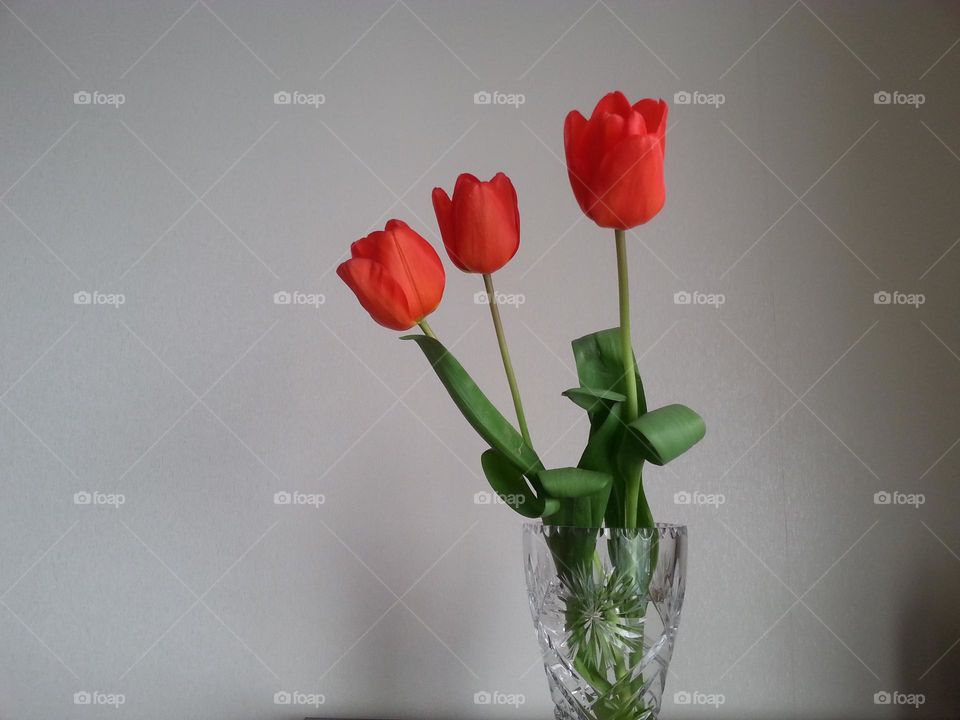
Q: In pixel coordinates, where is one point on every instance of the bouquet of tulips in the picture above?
(615, 164)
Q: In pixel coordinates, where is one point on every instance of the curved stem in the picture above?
(427, 330)
(626, 346)
(505, 354)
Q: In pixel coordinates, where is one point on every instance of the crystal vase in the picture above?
(606, 606)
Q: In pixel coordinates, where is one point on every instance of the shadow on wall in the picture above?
(929, 623)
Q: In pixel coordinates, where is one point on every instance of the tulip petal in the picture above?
(573, 130)
(415, 265)
(365, 247)
(655, 114)
(615, 102)
(378, 293)
(508, 196)
(630, 183)
(602, 134)
(443, 207)
(465, 181)
(410, 260)
(486, 227)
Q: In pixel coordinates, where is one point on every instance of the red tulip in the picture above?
(480, 226)
(396, 275)
(615, 160)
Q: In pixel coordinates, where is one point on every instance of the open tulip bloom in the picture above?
(615, 162)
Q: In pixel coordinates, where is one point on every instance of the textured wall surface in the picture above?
(181, 398)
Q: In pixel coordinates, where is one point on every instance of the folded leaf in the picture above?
(482, 415)
(665, 433)
(600, 364)
(573, 482)
(591, 399)
(507, 481)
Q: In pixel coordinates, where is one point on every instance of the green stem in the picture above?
(505, 354)
(633, 500)
(632, 409)
(626, 346)
(427, 330)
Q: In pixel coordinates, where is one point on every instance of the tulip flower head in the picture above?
(480, 225)
(615, 160)
(396, 275)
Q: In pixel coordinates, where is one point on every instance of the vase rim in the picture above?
(672, 528)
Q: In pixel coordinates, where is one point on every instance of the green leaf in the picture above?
(666, 433)
(600, 369)
(573, 482)
(482, 415)
(600, 455)
(550, 506)
(600, 364)
(591, 399)
(507, 481)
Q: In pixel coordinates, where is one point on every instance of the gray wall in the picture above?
(198, 398)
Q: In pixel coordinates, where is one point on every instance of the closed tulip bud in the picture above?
(615, 160)
(480, 225)
(396, 275)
